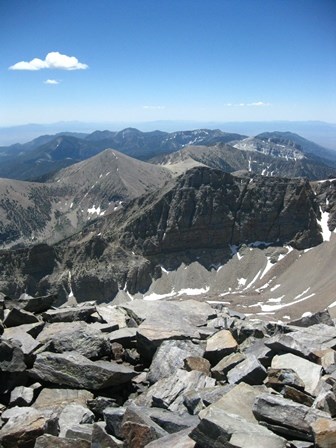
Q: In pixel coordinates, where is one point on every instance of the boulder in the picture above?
(12, 357)
(22, 396)
(138, 429)
(22, 430)
(220, 370)
(292, 393)
(113, 418)
(81, 431)
(169, 421)
(74, 370)
(259, 349)
(169, 393)
(69, 314)
(197, 363)
(324, 433)
(195, 401)
(27, 343)
(36, 304)
(63, 337)
(99, 404)
(179, 439)
(16, 317)
(326, 401)
(112, 315)
(218, 428)
(249, 371)
(101, 439)
(287, 417)
(73, 414)
(307, 371)
(125, 336)
(277, 378)
(49, 441)
(170, 356)
(219, 345)
(321, 317)
(59, 398)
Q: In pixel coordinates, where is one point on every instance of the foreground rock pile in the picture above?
(163, 374)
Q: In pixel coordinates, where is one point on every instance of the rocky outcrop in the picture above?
(78, 387)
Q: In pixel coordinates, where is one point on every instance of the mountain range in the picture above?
(208, 214)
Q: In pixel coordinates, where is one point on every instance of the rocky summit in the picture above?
(163, 374)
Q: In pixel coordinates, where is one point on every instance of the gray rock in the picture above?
(277, 378)
(113, 418)
(23, 429)
(169, 393)
(113, 315)
(73, 414)
(321, 317)
(49, 441)
(295, 419)
(197, 363)
(21, 396)
(243, 329)
(138, 429)
(292, 393)
(324, 433)
(69, 314)
(74, 370)
(249, 371)
(63, 337)
(263, 353)
(219, 429)
(125, 336)
(27, 343)
(101, 439)
(219, 345)
(12, 357)
(99, 404)
(239, 401)
(227, 363)
(16, 317)
(326, 401)
(195, 401)
(79, 431)
(289, 343)
(170, 356)
(179, 439)
(36, 304)
(309, 372)
(169, 421)
(59, 398)
(162, 320)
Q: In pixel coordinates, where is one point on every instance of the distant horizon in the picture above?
(320, 132)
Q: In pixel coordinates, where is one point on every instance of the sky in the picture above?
(146, 60)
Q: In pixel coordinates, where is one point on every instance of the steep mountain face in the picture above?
(257, 157)
(201, 216)
(44, 156)
(34, 212)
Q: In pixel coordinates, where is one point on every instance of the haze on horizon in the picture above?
(131, 61)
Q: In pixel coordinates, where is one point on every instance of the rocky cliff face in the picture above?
(202, 212)
(210, 209)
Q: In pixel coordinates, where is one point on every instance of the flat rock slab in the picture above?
(324, 433)
(219, 345)
(69, 314)
(74, 370)
(59, 398)
(49, 441)
(17, 317)
(75, 336)
(12, 357)
(309, 372)
(220, 429)
(279, 411)
(36, 304)
(179, 439)
(170, 356)
(249, 371)
(27, 342)
(23, 429)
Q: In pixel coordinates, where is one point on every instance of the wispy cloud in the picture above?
(255, 104)
(53, 60)
(154, 107)
(51, 81)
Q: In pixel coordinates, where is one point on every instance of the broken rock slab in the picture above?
(179, 439)
(170, 356)
(74, 370)
(249, 371)
(324, 433)
(309, 372)
(219, 345)
(69, 314)
(50, 441)
(218, 428)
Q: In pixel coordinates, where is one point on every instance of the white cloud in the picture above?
(53, 60)
(154, 107)
(51, 81)
(258, 104)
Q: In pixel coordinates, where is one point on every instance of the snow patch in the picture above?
(154, 296)
(307, 314)
(326, 233)
(193, 291)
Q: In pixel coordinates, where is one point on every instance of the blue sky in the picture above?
(144, 60)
